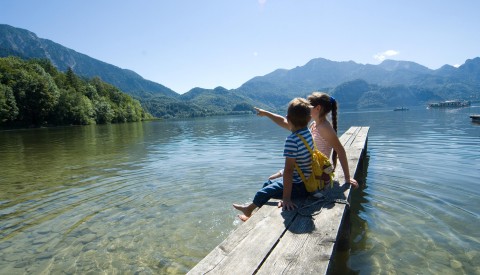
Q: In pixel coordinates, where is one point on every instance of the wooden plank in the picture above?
(347, 138)
(274, 241)
(308, 244)
(245, 248)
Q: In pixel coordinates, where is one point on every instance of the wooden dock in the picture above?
(290, 242)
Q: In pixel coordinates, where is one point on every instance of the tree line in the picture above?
(34, 93)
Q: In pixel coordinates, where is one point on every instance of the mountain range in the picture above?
(389, 84)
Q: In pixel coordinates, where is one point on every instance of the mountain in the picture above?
(218, 100)
(389, 84)
(200, 102)
(469, 72)
(321, 73)
(26, 44)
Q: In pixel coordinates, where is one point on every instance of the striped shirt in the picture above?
(295, 148)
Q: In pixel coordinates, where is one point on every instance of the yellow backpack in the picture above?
(322, 169)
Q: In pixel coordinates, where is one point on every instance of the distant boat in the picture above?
(450, 104)
(475, 118)
(401, 109)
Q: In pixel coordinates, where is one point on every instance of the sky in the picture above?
(183, 44)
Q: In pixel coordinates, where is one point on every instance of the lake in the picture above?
(155, 197)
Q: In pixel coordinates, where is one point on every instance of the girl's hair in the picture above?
(329, 104)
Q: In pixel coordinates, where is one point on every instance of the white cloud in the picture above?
(386, 54)
(456, 65)
(262, 3)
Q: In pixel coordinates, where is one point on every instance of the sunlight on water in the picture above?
(156, 197)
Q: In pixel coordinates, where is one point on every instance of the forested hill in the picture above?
(26, 44)
(35, 93)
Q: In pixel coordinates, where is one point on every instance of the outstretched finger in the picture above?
(259, 111)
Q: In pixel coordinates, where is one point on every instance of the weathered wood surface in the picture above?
(288, 242)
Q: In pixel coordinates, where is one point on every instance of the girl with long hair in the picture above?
(324, 133)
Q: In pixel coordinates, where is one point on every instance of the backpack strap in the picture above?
(299, 171)
(306, 143)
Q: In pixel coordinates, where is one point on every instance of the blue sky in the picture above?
(184, 44)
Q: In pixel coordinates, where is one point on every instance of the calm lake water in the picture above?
(155, 197)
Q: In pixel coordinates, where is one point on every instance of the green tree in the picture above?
(36, 95)
(47, 65)
(103, 111)
(71, 79)
(8, 105)
(74, 108)
(90, 91)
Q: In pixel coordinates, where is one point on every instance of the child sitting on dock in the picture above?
(323, 131)
(295, 151)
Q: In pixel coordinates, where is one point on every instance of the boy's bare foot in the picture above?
(245, 209)
(243, 218)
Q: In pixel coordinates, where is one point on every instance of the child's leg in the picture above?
(247, 210)
(271, 189)
(274, 189)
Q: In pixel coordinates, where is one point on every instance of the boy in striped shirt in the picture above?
(291, 185)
